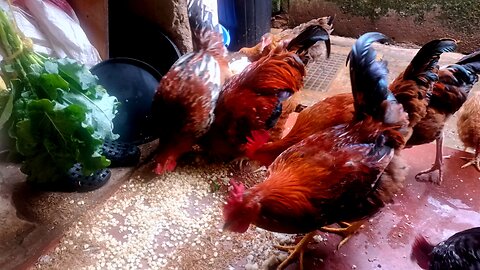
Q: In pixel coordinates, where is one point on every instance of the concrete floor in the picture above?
(140, 221)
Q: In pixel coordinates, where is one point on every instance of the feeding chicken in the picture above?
(341, 174)
(277, 42)
(448, 95)
(254, 98)
(270, 42)
(411, 88)
(184, 102)
(305, 43)
(459, 252)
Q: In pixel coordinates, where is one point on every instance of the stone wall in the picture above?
(405, 21)
(170, 15)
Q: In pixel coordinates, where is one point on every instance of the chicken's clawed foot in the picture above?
(261, 169)
(297, 250)
(244, 163)
(241, 162)
(434, 174)
(347, 230)
(472, 161)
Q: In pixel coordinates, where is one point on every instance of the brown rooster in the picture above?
(343, 173)
(449, 94)
(460, 251)
(411, 88)
(329, 112)
(277, 42)
(253, 99)
(271, 41)
(184, 102)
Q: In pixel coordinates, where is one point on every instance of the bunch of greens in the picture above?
(53, 109)
(5, 100)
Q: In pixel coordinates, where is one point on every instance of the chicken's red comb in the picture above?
(257, 140)
(237, 192)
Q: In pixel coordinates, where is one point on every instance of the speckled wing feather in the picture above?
(189, 91)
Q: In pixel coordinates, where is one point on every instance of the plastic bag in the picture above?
(53, 31)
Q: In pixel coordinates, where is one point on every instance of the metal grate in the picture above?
(321, 72)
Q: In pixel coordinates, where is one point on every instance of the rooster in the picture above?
(185, 99)
(276, 43)
(449, 94)
(329, 112)
(341, 174)
(459, 252)
(254, 98)
(411, 88)
(270, 42)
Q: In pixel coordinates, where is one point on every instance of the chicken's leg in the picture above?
(347, 230)
(298, 249)
(428, 175)
(241, 162)
(261, 169)
(473, 161)
(300, 107)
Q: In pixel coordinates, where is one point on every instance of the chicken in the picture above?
(288, 106)
(460, 251)
(185, 99)
(329, 112)
(271, 41)
(304, 44)
(277, 42)
(448, 95)
(410, 87)
(468, 127)
(253, 99)
(341, 174)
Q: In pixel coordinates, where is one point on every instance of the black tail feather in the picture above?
(308, 37)
(463, 75)
(471, 62)
(465, 72)
(331, 19)
(423, 66)
(368, 76)
(201, 20)
(198, 16)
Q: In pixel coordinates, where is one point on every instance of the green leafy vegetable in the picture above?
(6, 105)
(56, 111)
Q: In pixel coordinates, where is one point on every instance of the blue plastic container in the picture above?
(225, 35)
(246, 21)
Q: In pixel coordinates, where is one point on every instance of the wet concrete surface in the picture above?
(62, 230)
(434, 211)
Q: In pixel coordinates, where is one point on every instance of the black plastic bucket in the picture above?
(134, 83)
